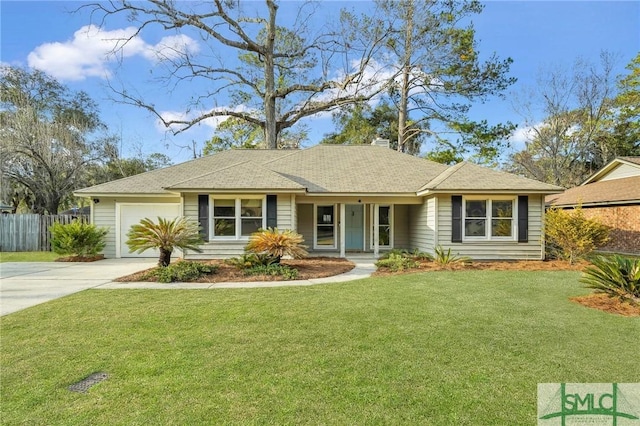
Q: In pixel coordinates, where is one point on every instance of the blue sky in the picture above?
(535, 34)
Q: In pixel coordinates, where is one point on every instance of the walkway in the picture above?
(26, 284)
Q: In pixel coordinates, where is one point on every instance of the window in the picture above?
(236, 217)
(251, 212)
(385, 229)
(488, 219)
(325, 226)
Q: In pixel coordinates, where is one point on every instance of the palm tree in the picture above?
(165, 236)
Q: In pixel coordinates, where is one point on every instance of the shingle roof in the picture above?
(254, 176)
(634, 160)
(471, 177)
(341, 169)
(615, 191)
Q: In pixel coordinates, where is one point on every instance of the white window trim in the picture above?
(391, 225)
(488, 217)
(238, 218)
(336, 235)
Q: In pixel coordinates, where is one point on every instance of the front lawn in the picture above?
(28, 256)
(438, 348)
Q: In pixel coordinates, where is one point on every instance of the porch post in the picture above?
(342, 230)
(376, 230)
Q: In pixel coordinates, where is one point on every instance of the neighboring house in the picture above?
(613, 196)
(340, 198)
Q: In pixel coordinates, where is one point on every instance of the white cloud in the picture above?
(92, 49)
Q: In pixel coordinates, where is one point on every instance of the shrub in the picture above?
(249, 260)
(397, 262)
(77, 239)
(570, 235)
(274, 269)
(446, 258)
(181, 272)
(277, 244)
(165, 236)
(616, 276)
(416, 254)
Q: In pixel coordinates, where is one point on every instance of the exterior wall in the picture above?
(494, 250)
(422, 225)
(401, 226)
(305, 223)
(625, 224)
(190, 206)
(220, 249)
(285, 212)
(622, 171)
(104, 215)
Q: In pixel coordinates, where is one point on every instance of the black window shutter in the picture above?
(272, 211)
(523, 218)
(203, 216)
(456, 218)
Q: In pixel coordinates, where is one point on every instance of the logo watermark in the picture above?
(574, 404)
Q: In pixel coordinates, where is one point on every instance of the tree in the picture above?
(283, 74)
(165, 235)
(49, 136)
(234, 133)
(440, 74)
(361, 124)
(576, 136)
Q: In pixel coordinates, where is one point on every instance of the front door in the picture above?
(354, 227)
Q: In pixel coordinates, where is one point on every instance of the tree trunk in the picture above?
(270, 129)
(406, 70)
(165, 257)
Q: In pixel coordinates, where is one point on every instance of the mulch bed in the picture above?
(312, 267)
(608, 304)
(514, 265)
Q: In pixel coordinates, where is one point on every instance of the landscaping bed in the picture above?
(308, 268)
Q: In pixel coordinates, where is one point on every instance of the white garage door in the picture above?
(131, 214)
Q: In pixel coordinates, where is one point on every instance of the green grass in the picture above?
(28, 256)
(441, 348)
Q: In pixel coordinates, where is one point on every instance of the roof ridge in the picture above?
(433, 183)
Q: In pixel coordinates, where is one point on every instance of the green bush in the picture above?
(616, 276)
(416, 254)
(183, 271)
(446, 258)
(250, 260)
(570, 235)
(165, 235)
(274, 269)
(397, 262)
(77, 239)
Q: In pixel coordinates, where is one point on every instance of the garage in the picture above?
(131, 214)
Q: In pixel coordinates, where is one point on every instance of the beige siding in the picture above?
(622, 171)
(401, 226)
(421, 224)
(190, 207)
(104, 216)
(285, 212)
(305, 223)
(506, 250)
(219, 249)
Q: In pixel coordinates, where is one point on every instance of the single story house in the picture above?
(341, 199)
(612, 195)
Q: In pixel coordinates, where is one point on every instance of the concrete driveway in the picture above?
(26, 284)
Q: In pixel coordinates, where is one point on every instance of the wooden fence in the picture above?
(30, 232)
